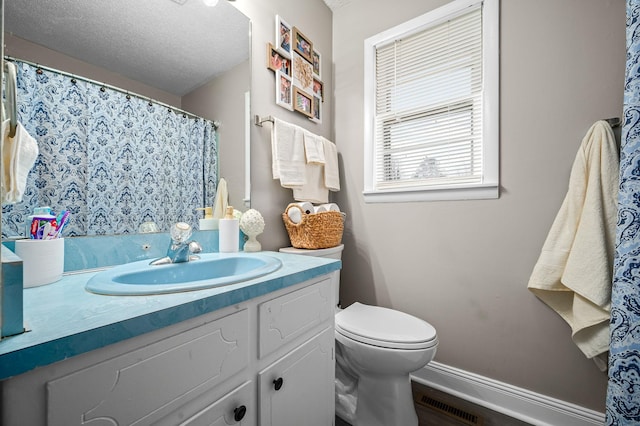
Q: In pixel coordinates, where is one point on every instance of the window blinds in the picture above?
(428, 106)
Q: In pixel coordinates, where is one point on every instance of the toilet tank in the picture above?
(330, 253)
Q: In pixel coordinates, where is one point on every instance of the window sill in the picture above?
(479, 192)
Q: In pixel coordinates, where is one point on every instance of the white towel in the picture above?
(574, 272)
(18, 157)
(314, 189)
(222, 200)
(328, 207)
(331, 173)
(313, 148)
(287, 154)
(295, 214)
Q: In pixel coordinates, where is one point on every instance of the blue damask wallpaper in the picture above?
(111, 159)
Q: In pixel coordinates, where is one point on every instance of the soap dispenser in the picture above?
(229, 234)
(208, 223)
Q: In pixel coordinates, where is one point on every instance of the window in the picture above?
(431, 106)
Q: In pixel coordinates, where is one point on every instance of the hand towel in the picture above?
(18, 157)
(573, 274)
(314, 189)
(222, 199)
(313, 148)
(287, 153)
(331, 173)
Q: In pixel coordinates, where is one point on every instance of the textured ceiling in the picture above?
(152, 41)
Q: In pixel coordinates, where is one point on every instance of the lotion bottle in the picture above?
(208, 223)
(229, 233)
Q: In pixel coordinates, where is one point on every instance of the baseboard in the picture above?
(530, 407)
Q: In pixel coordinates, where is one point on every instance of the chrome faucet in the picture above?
(180, 250)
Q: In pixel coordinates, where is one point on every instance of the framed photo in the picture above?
(276, 61)
(318, 89)
(316, 63)
(302, 102)
(317, 110)
(283, 36)
(302, 73)
(302, 45)
(284, 90)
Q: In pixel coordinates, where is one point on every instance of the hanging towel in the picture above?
(18, 157)
(331, 173)
(313, 190)
(287, 154)
(573, 274)
(221, 201)
(313, 148)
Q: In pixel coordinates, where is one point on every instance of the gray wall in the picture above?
(223, 100)
(313, 18)
(464, 266)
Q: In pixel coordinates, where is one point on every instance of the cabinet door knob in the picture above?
(277, 383)
(239, 412)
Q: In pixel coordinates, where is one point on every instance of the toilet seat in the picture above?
(387, 328)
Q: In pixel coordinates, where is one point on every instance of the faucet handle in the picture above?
(195, 247)
(180, 232)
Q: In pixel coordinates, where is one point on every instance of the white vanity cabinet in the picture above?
(265, 361)
(298, 387)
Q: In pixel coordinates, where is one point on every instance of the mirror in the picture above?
(182, 53)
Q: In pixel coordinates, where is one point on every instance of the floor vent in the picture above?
(457, 413)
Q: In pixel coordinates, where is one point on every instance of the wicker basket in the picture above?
(316, 230)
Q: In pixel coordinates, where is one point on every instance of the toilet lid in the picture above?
(385, 327)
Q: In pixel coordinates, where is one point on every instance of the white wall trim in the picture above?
(522, 404)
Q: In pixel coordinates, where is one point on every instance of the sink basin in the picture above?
(211, 270)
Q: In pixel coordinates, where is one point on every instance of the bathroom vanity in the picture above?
(254, 353)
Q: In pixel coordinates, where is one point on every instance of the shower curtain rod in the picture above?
(216, 124)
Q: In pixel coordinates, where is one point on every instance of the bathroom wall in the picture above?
(223, 99)
(313, 18)
(23, 49)
(464, 265)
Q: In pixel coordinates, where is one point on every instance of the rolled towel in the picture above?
(296, 214)
(328, 207)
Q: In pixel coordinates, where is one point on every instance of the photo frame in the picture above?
(284, 90)
(276, 61)
(303, 45)
(302, 102)
(302, 73)
(316, 62)
(317, 110)
(318, 89)
(284, 35)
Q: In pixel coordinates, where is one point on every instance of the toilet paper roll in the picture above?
(329, 207)
(296, 215)
(42, 261)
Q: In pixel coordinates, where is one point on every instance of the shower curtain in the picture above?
(113, 160)
(623, 393)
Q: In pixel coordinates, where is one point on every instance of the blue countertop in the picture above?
(66, 320)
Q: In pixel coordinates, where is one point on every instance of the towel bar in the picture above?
(257, 120)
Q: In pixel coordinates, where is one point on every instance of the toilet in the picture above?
(376, 350)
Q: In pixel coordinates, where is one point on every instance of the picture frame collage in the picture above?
(297, 67)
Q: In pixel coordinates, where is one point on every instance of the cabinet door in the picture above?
(142, 386)
(288, 317)
(299, 388)
(233, 409)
